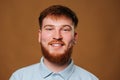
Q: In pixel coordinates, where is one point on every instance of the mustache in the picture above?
(56, 42)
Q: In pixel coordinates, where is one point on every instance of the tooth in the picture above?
(56, 44)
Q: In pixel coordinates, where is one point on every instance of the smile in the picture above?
(56, 45)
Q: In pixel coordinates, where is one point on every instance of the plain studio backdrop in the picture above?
(97, 48)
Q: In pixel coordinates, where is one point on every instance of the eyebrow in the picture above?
(48, 25)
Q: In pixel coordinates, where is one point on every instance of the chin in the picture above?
(60, 56)
(56, 52)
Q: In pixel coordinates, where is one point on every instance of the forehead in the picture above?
(57, 20)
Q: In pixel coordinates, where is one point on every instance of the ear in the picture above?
(39, 35)
(75, 37)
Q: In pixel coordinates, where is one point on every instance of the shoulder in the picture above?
(84, 74)
(29, 68)
(25, 72)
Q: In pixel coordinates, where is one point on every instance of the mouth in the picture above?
(56, 44)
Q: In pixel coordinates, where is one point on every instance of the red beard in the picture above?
(59, 59)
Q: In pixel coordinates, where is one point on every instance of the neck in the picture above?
(55, 67)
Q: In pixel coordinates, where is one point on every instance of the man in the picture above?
(57, 38)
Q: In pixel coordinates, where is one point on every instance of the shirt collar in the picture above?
(44, 71)
(66, 73)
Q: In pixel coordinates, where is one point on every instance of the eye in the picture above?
(48, 28)
(66, 28)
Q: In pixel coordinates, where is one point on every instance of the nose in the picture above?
(57, 35)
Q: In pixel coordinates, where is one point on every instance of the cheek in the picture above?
(45, 38)
(69, 39)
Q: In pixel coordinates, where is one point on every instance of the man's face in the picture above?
(57, 38)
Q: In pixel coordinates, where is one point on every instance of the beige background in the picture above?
(98, 46)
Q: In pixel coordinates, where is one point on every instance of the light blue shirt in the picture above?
(40, 72)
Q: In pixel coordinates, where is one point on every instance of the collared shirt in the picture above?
(39, 71)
